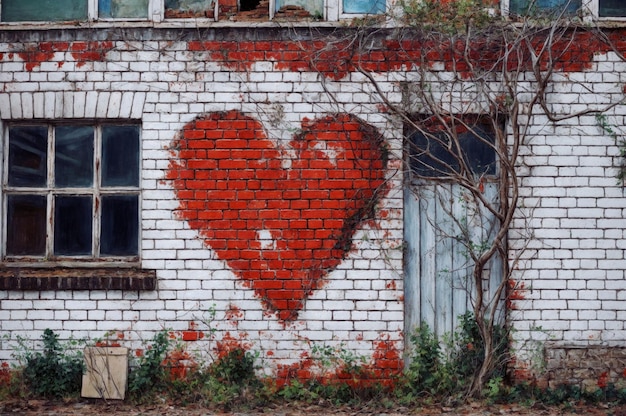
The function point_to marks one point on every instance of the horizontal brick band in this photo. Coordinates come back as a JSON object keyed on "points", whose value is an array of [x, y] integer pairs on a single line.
{"points": [[15, 278]]}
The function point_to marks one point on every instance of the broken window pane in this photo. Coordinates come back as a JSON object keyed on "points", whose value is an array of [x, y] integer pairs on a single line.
{"points": [[300, 8], [123, 9], [119, 235], [612, 8], [43, 10], [28, 156], [73, 161], [120, 156], [26, 225], [530, 7], [73, 218], [188, 8], [364, 6]]}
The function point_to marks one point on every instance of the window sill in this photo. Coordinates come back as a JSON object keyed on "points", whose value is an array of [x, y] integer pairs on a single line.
{"points": [[79, 278]]}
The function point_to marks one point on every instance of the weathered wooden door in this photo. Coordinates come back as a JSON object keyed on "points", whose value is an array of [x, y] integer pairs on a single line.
{"points": [[441, 226]]}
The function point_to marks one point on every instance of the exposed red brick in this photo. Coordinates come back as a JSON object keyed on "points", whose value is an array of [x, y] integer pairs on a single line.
{"points": [[244, 224]]}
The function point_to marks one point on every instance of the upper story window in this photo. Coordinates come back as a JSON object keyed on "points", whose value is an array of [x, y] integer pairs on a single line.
{"points": [[80, 10], [611, 8], [364, 6], [71, 192], [68, 10], [158, 10], [524, 7], [188, 8], [598, 8]]}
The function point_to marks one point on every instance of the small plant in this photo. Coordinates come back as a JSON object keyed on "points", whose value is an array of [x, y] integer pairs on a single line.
{"points": [[150, 373], [447, 367], [611, 131], [338, 358], [232, 379], [235, 368], [425, 374], [54, 372], [450, 17]]}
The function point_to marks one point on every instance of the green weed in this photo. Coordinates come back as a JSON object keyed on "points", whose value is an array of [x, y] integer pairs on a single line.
{"points": [[150, 374], [54, 372]]}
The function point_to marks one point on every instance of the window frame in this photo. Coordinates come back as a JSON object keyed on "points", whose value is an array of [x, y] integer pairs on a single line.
{"points": [[50, 191], [333, 11], [593, 7], [156, 13]]}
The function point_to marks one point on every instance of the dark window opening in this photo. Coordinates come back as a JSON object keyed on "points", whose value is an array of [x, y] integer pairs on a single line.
{"points": [[612, 8], [248, 5], [72, 192], [532, 7], [435, 151]]}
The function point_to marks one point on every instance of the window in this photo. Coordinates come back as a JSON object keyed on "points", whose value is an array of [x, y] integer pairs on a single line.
{"points": [[66, 10], [612, 8], [522, 7], [71, 192], [188, 8], [433, 153], [364, 6], [37, 10], [14, 11], [599, 8], [125, 9], [83, 10], [307, 8]]}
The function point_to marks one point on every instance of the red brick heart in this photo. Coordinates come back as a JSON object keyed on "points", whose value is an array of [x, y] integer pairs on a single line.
{"points": [[280, 218]]}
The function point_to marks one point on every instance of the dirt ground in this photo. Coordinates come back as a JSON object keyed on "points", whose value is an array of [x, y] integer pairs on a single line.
{"points": [[112, 408]]}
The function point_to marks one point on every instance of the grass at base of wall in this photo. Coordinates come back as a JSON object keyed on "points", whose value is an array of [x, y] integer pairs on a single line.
{"points": [[436, 373]]}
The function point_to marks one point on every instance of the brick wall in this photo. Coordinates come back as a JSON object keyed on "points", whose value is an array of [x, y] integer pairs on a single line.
{"points": [[244, 110], [263, 201]]}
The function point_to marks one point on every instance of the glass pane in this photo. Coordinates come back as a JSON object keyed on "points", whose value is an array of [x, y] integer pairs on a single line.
{"points": [[120, 156], [188, 8], [43, 10], [120, 9], [524, 7], [73, 219], [314, 7], [478, 151], [364, 6], [26, 225], [119, 235], [73, 157], [431, 156], [612, 8], [28, 156]]}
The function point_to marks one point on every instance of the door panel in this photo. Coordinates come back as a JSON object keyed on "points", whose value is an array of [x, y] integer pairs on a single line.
{"points": [[441, 227]]}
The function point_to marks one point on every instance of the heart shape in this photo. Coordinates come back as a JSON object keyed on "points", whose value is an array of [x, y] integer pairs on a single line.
{"points": [[281, 218]]}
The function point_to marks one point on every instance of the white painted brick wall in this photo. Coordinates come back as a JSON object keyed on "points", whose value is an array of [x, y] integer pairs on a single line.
{"points": [[574, 276], [573, 271]]}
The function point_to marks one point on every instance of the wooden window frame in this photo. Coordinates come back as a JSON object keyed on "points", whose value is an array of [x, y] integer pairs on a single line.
{"points": [[96, 192], [592, 6]]}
